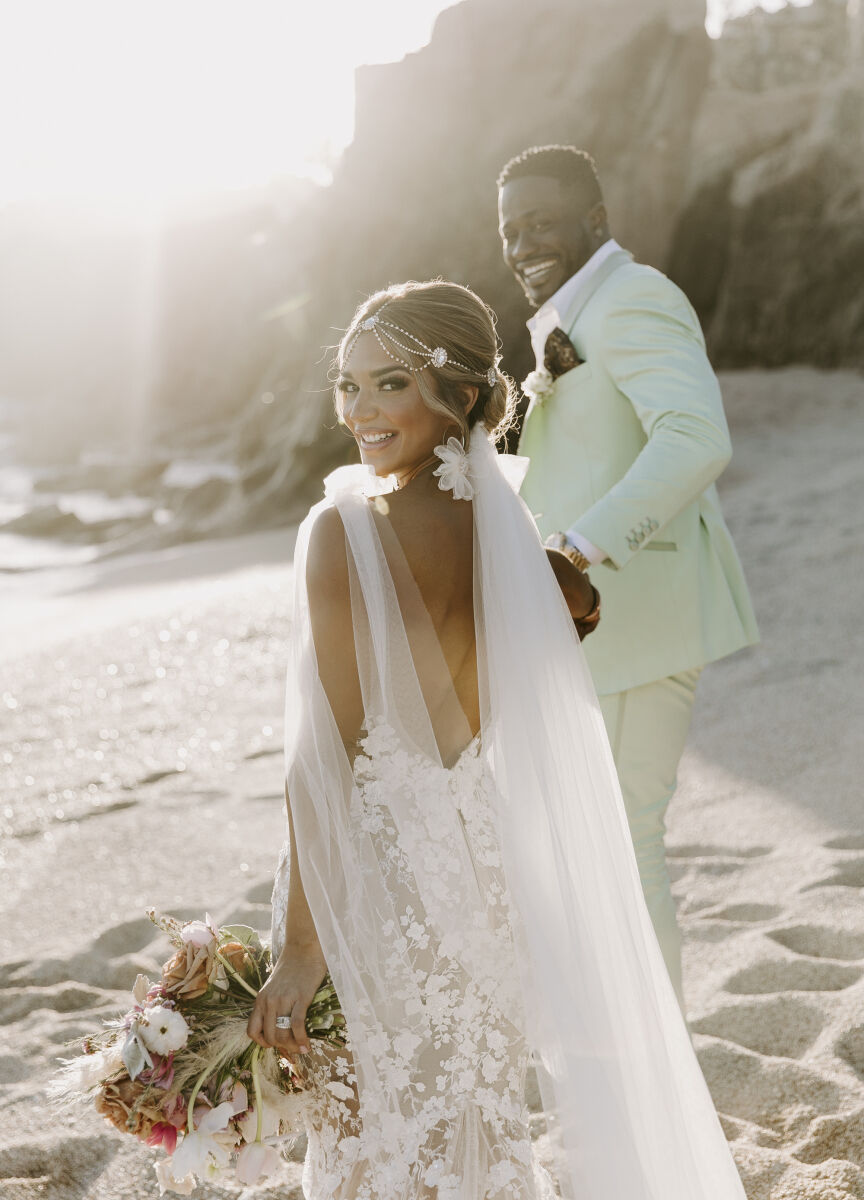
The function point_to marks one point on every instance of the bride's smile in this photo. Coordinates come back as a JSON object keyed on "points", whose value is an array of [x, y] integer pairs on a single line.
{"points": [[381, 404]]}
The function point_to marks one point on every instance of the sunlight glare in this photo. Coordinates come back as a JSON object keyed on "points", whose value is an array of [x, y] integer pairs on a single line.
{"points": [[133, 105], [127, 107]]}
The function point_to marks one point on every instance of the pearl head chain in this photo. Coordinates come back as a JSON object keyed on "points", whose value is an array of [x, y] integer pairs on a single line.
{"points": [[436, 357]]}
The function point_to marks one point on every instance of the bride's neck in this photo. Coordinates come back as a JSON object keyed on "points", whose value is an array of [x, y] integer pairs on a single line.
{"points": [[403, 478]]}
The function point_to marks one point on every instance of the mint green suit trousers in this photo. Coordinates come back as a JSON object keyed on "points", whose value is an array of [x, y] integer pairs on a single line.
{"points": [[647, 728]]}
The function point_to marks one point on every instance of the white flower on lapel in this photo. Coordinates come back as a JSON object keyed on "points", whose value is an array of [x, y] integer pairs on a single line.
{"points": [[453, 472], [538, 385]]}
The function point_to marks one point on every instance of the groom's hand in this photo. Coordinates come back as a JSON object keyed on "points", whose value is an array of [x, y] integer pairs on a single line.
{"points": [[583, 628]]}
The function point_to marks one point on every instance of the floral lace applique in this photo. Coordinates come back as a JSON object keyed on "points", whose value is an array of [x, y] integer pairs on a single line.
{"points": [[448, 1103]]}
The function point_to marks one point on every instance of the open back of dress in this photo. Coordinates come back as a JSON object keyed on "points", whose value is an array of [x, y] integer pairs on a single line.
{"points": [[477, 898]]}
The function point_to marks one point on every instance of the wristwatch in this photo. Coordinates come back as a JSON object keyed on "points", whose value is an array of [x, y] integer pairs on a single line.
{"points": [[561, 543]]}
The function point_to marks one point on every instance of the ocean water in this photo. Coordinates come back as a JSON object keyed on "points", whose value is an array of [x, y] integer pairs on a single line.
{"points": [[56, 515]]}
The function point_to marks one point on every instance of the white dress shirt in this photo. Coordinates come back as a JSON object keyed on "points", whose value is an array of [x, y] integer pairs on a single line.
{"points": [[548, 317]]}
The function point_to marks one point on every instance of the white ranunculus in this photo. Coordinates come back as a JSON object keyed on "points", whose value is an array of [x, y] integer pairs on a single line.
{"points": [[163, 1030]]}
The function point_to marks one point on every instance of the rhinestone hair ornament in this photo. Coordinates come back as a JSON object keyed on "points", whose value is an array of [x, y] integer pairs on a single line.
{"points": [[435, 357]]}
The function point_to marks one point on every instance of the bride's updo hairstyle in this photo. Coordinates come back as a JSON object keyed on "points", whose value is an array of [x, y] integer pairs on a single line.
{"points": [[418, 320]]}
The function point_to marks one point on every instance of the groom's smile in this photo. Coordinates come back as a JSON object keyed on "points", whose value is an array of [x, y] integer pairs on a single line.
{"points": [[543, 237]]}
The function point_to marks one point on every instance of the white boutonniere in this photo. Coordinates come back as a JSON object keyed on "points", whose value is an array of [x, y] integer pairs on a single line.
{"points": [[453, 472], [538, 385]]}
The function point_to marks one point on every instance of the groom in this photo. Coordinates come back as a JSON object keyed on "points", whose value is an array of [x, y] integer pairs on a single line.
{"points": [[626, 434]]}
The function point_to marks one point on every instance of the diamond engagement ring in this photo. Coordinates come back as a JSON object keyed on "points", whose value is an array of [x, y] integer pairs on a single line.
{"points": [[282, 1022]]}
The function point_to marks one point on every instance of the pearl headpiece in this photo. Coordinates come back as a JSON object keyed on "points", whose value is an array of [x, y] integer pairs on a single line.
{"points": [[388, 334]]}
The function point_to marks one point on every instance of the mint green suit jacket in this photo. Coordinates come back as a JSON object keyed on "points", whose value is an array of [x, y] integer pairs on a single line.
{"points": [[626, 448]]}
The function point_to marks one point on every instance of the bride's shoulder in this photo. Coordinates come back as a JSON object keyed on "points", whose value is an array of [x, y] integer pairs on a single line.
{"points": [[326, 554]]}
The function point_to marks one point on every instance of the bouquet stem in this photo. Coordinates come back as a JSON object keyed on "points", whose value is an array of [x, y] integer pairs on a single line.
{"points": [[256, 1086], [199, 1083]]}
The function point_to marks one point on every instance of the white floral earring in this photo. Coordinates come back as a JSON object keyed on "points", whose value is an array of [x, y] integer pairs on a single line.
{"points": [[453, 475]]}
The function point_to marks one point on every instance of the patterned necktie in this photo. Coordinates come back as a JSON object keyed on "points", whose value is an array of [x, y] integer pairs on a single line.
{"points": [[559, 354]]}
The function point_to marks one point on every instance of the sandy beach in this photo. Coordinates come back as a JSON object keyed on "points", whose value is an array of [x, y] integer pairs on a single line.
{"points": [[141, 765]]}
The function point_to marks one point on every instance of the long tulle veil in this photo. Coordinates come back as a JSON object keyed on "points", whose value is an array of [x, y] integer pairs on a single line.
{"points": [[628, 1110]]}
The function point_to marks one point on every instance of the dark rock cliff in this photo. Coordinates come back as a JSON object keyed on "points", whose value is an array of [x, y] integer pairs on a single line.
{"points": [[736, 166]]}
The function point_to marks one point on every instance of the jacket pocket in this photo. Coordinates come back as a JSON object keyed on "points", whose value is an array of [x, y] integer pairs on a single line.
{"points": [[575, 377], [661, 546]]}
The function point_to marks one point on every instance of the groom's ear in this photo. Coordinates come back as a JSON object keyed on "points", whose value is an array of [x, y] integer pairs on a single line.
{"points": [[596, 221]]}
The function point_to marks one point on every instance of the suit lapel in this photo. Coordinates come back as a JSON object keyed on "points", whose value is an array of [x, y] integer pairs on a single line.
{"points": [[618, 258], [615, 260]]}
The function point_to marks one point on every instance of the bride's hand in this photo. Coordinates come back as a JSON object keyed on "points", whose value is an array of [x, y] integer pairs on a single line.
{"points": [[296, 977], [581, 597]]}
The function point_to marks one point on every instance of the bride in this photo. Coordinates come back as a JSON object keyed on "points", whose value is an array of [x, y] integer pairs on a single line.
{"points": [[458, 854]]}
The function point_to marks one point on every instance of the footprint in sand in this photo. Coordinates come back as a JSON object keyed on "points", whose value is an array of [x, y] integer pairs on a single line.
{"points": [[835, 1137], [260, 892], [54, 1166], [796, 976], [767, 1092], [848, 874], [73, 817], [820, 941], [13, 1069], [18, 1003], [257, 917], [850, 1047], [781, 1026], [204, 794], [719, 867], [848, 841], [10, 972], [701, 850], [744, 913], [155, 776], [716, 924], [86, 969], [707, 859], [126, 937]]}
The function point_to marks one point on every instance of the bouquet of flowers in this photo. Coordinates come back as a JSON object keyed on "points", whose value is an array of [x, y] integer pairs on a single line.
{"points": [[179, 1071]]}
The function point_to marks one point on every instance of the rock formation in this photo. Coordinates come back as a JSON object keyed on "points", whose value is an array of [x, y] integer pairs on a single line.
{"points": [[770, 240], [414, 195], [737, 166]]}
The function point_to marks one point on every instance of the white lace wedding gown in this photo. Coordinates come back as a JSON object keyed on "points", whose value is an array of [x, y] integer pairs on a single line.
{"points": [[477, 900], [462, 1131]]}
